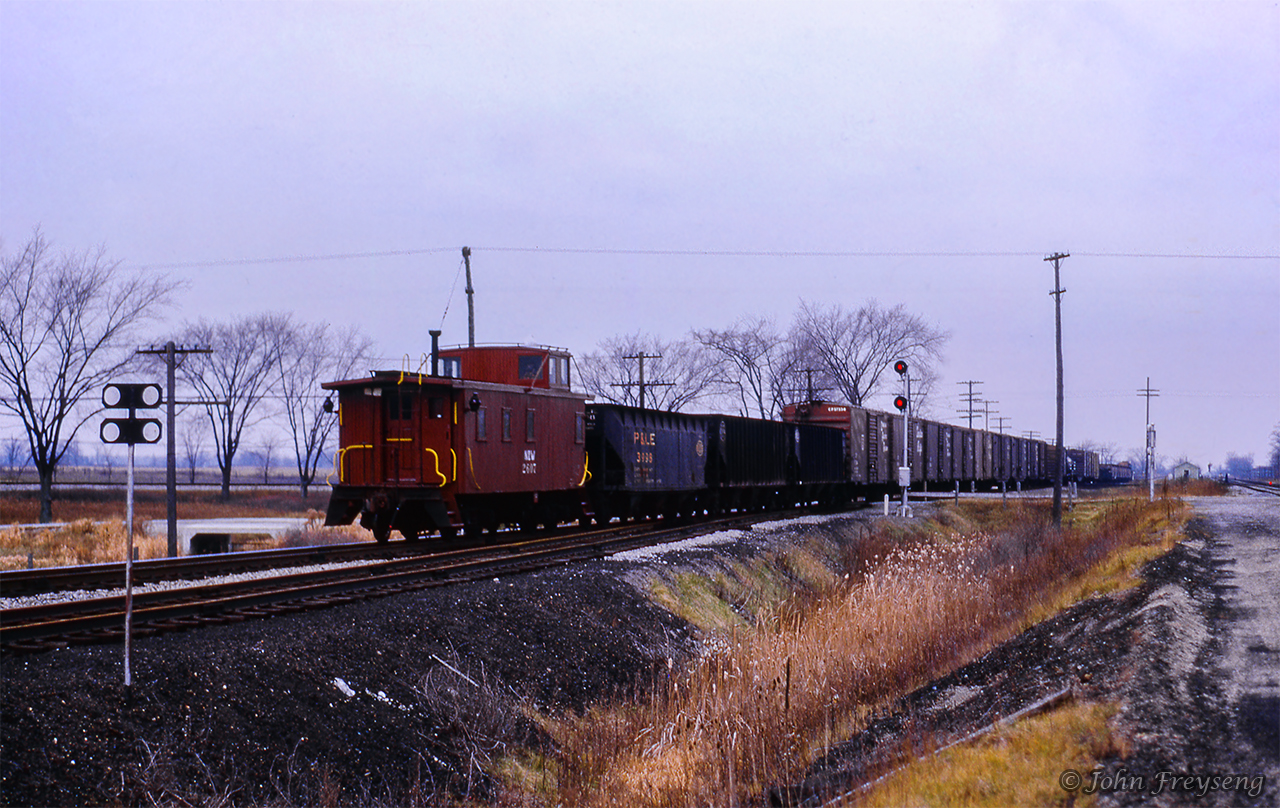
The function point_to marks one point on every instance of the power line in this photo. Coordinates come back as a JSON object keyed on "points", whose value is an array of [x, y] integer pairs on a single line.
{"points": [[694, 252], [290, 259]]}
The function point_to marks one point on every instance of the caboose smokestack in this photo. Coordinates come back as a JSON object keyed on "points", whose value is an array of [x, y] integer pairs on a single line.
{"points": [[435, 352]]}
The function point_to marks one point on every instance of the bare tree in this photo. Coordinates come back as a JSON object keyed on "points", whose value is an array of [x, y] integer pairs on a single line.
{"points": [[192, 435], [751, 355], [66, 325], [312, 355], [16, 456], [235, 378], [106, 461], [266, 449], [1239, 466], [677, 372], [853, 349]]}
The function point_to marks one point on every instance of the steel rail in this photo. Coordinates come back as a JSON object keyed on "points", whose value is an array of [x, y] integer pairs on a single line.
{"points": [[1261, 488], [42, 580], [37, 628]]}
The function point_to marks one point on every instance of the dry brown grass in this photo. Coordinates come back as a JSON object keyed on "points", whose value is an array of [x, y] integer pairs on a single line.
{"points": [[96, 535], [81, 542], [754, 711]]}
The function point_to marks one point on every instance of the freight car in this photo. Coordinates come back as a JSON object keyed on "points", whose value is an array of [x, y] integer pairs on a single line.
{"points": [[939, 455], [494, 436]]}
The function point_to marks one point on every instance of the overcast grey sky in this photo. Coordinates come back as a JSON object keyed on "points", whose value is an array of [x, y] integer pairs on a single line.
{"points": [[941, 150]]}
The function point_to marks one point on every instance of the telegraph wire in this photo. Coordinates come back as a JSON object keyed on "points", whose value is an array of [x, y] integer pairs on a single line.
{"points": [[292, 259], [707, 253]]}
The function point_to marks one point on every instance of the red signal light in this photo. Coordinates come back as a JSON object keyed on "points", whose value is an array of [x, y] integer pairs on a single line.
{"points": [[900, 367], [901, 403]]}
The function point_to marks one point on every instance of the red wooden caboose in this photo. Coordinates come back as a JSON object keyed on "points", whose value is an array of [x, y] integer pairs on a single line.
{"points": [[492, 435]]}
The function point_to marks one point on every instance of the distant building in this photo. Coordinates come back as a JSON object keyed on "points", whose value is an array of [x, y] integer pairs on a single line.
{"points": [[1186, 471]]}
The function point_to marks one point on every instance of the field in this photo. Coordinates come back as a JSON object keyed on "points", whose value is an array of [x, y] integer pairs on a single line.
{"points": [[91, 522]]}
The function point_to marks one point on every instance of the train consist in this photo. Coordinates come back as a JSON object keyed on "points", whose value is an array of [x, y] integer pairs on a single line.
{"points": [[494, 436]]}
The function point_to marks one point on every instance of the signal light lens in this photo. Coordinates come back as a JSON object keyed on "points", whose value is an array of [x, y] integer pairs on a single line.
{"points": [[132, 396], [900, 367], [901, 403], [130, 430]]}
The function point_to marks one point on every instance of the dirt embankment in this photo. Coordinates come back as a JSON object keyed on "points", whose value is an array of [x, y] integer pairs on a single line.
{"points": [[1192, 657], [408, 698]]}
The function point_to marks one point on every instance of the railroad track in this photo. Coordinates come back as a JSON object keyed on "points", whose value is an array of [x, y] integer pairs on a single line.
{"points": [[1261, 488], [24, 583], [101, 620]]}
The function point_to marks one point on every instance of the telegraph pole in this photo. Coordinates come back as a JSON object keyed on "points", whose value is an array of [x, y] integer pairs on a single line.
{"points": [[642, 384], [471, 301], [170, 353], [1060, 471], [972, 399], [987, 412]]}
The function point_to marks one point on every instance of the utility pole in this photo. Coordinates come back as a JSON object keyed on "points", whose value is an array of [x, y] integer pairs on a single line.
{"points": [[972, 399], [170, 353], [1060, 471], [642, 384], [471, 300], [1149, 456], [987, 412]]}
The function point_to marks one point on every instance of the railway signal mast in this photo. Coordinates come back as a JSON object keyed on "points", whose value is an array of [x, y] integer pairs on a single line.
{"points": [[1151, 441], [903, 403], [131, 430]]}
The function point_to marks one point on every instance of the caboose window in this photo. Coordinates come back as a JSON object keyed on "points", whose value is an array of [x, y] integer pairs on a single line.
{"points": [[531, 367], [451, 367], [399, 406], [506, 425], [528, 425], [579, 427], [482, 427]]}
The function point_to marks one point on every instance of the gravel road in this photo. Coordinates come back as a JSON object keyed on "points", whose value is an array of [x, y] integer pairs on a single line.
{"points": [[1221, 715], [1202, 704]]}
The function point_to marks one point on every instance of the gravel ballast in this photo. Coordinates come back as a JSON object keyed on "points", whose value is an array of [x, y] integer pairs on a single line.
{"points": [[402, 699]]}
